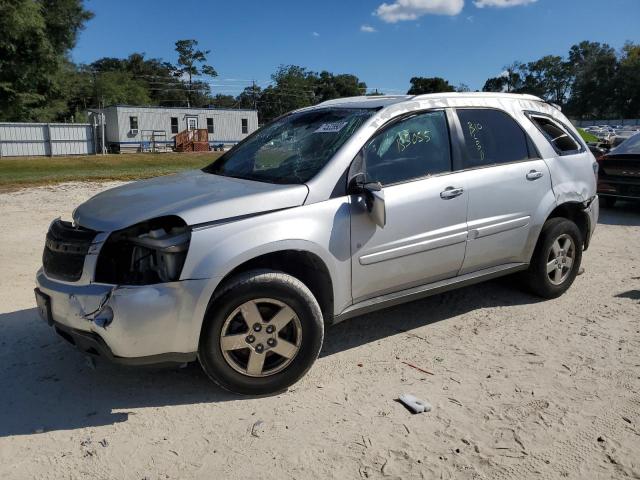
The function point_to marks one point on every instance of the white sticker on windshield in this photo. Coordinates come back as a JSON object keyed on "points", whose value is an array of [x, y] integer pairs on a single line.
{"points": [[332, 127]]}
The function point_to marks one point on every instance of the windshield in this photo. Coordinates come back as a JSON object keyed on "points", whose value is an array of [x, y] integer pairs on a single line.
{"points": [[629, 146], [292, 149]]}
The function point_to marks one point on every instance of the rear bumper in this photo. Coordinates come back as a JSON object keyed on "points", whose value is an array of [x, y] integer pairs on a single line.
{"points": [[150, 324], [619, 188]]}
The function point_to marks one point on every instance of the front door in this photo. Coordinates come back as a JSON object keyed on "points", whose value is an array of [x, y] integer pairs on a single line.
{"points": [[192, 123], [507, 183], [426, 209]]}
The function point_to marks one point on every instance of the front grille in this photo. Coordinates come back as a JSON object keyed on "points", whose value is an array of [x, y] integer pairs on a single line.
{"points": [[65, 249]]}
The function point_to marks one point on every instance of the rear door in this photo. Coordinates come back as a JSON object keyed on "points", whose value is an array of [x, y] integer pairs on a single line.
{"points": [[426, 209], [506, 184]]}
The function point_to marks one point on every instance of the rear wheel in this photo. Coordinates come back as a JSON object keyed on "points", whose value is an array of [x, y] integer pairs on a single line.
{"points": [[556, 258], [261, 333]]}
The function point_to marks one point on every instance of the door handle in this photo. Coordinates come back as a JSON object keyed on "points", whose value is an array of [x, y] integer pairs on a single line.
{"points": [[451, 192], [534, 175]]}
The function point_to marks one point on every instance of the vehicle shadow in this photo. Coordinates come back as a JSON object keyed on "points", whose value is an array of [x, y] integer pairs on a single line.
{"points": [[409, 316], [48, 385], [630, 294], [624, 213]]}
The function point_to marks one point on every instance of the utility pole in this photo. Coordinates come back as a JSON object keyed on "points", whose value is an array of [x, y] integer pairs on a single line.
{"points": [[253, 94], [95, 134], [102, 122], [189, 92], [102, 142]]}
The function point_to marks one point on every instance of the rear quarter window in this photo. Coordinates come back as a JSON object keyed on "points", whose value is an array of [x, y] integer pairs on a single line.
{"points": [[558, 135]]}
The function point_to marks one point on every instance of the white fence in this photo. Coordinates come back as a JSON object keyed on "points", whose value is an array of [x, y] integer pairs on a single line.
{"points": [[589, 123], [48, 139]]}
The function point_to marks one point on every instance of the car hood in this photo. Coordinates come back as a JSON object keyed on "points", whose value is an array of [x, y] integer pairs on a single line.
{"points": [[194, 196]]}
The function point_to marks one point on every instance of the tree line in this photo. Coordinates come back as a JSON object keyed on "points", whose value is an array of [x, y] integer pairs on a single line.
{"points": [[591, 81], [39, 82]]}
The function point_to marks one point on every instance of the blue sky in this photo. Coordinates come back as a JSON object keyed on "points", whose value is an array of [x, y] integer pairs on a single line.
{"points": [[385, 44]]}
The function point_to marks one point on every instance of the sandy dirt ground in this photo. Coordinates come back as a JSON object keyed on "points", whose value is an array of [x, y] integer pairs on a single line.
{"points": [[520, 388]]}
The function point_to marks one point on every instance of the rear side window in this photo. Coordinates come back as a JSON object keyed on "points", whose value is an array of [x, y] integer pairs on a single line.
{"points": [[411, 148], [492, 137], [557, 134]]}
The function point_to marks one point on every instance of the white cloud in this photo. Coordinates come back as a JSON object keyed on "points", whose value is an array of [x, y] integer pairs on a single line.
{"points": [[501, 3], [315, 34], [412, 9], [367, 29]]}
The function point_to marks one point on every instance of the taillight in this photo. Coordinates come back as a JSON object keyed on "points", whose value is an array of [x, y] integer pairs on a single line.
{"points": [[596, 167]]}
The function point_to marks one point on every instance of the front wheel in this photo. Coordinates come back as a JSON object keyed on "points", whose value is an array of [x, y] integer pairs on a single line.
{"points": [[261, 333], [556, 258]]}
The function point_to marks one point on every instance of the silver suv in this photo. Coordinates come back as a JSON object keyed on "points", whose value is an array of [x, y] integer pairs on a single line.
{"points": [[326, 213]]}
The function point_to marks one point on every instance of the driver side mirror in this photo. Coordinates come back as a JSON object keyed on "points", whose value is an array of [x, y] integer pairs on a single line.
{"points": [[373, 198]]}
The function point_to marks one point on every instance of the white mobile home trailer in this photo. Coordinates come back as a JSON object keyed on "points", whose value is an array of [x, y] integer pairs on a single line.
{"points": [[135, 128]]}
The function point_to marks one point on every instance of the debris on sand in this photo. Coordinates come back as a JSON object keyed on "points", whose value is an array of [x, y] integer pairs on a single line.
{"points": [[414, 404], [418, 368], [256, 429]]}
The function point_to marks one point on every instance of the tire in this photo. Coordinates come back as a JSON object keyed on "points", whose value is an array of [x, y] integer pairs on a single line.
{"points": [[287, 351], [551, 284], [609, 202]]}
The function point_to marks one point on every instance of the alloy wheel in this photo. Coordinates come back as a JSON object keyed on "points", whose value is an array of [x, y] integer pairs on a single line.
{"points": [[560, 259], [261, 337]]}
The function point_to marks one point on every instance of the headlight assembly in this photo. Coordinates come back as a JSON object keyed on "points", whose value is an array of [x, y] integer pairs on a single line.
{"points": [[149, 252]]}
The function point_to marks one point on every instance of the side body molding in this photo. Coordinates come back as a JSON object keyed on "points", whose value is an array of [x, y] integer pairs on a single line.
{"points": [[420, 243], [494, 225]]}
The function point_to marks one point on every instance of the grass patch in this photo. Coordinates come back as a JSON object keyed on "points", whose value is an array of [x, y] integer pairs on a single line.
{"points": [[587, 137], [19, 172]]}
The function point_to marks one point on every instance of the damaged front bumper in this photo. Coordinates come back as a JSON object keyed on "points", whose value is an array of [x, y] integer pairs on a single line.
{"points": [[128, 324]]}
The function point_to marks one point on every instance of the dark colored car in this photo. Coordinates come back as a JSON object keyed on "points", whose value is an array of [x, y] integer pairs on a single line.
{"points": [[598, 152], [619, 172]]}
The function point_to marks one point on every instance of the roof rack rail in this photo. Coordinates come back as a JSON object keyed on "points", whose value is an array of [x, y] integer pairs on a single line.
{"points": [[478, 94], [362, 98]]}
